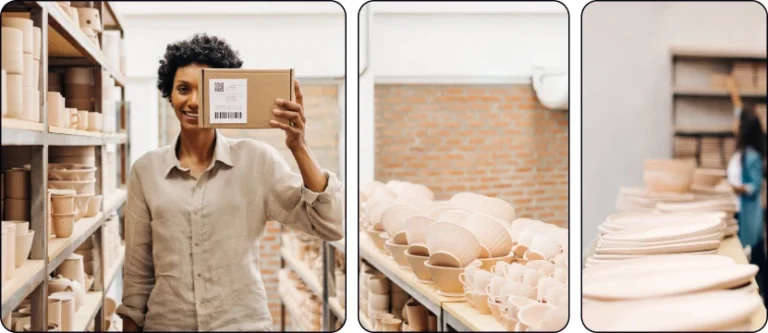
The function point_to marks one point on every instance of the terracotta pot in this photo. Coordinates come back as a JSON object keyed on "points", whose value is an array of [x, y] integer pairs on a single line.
{"points": [[13, 50], [63, 224], [73, 269], [80, 186], [431, 323], [378, 284], [391, 325], [23, 247], [16, 183], [398, 253], [374, 237], [54, 311], [67, 300], [63, 202], [419, 269], [417, 316], [378, 317], [25, 25], [78, 75], [446, 279], [94, 206]]}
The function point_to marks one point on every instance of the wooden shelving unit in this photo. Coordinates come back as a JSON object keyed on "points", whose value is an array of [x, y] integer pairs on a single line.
{"points": [[64, 44], [701, 105]]}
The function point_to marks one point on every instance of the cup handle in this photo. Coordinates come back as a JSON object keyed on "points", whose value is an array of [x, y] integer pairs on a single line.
{"points": [[462, 279], [74, 118], [488, 290]]}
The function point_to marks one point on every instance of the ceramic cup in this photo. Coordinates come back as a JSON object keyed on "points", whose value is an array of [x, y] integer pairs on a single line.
{"points": [[63, 224], [74, 118], [82, 122]]}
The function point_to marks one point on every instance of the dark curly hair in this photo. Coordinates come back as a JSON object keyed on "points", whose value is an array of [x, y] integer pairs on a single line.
{"points": [[202, 49]]}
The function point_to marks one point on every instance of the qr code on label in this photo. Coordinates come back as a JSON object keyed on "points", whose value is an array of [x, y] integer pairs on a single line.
{"points": [[218, 87]]}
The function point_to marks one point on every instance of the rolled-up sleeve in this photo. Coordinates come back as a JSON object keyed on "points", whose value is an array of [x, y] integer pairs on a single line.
{"points": [[139, 272], [291, 203]]}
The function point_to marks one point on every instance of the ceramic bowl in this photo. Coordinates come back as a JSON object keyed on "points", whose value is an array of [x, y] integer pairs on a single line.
{"points": [[497, 208], [374, 209], [400, 238], [454, 239], [446, 279], [440, 209], [455, 216], [80, 186], [23, 246], [373, 235], [481, 303], [22, 227], [418, 250], [63, 224], [668, 175], [531, 317], [416, 263], [398, 253], [487, 263], [416, 228], [491, 233], [445, 259], [81, 205], [65, 171]]}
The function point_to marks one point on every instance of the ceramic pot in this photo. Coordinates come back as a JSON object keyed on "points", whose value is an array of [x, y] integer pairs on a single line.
{"points": [[15, 94], [446, 279], [9, 245], [432, 323], [378, 302], [20, 321], [419, 269], [373, 235], [73, 269], [481, 303], [487, 263], [25, 26], [54, 311], [81, 205], [80, 186], [378, 317], [63, 284], [74, 118], [23, 247], [67, 300], [417, 316], [95, 121], [63, 224], [398, 253], [13, 50], [82, 121], [391, 325], [80, 104], [55, 109], [16, 183], [378, 284], [94, 205], [89, 17], [63, 202]]}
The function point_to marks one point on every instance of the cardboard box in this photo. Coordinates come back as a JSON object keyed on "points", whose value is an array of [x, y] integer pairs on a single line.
{"points": [[242, 98]]}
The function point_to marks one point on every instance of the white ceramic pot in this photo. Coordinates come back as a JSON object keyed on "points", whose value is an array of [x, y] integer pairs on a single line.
{"points": [[12, 49]]}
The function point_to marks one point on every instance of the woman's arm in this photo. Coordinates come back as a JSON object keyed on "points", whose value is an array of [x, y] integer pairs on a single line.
{"points": [[733, 90], [139, 274]]}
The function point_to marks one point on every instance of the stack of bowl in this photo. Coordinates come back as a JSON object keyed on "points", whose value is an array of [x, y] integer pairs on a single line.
{"points": [[80, 178], [22, 68], [16, 189], [22, 242], [379, 288]]}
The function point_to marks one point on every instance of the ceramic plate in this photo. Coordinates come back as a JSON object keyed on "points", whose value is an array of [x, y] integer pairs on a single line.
{"points": [[663, 249], [707, 311], [668, 232], [656, 263], [631, 244], [614, 258], [679, 281]]}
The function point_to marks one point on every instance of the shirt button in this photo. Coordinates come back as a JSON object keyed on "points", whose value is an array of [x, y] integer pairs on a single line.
{"points": [[197, 244], [199, 275]]}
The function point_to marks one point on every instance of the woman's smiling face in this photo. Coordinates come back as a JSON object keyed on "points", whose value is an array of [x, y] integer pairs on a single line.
{"points": [[185, 95]]}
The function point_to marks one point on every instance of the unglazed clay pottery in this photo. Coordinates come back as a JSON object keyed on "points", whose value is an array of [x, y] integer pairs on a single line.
{"points": [[80, 186], [373, 235], [705, 311], [13, 50], [89, 279], [82, 116], [481, 303], [668, 175], [524, 241], [63, 224], [16, 183], [26, 26], [624, 244], [21, 321], [651, 264], [530, 317], [67, 309], [446, 279], [418, 250], [374, 210], [491, 233], [94, 206], [17, 209], [15, 94], [400, 238], [416, 228], [393, 218], [378, 284], [439, 210], [23, 247], [398, 253], [431, 323], [664, 249], [454, 239], [73, 269], [494, 305], [416, 263], [81, 205], [391, 324], [669, 282], [54, 311], [21, 227], [456, 216], [9, 247], [62, 201], [445, 259], [68, 171], [488, 263], [514, 288], [545, 267], [542, 248], [379, 316], [95, 121], [668, 232], [707, 177]]}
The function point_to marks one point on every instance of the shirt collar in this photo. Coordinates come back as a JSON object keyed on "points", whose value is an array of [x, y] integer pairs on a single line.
{"points": [[221, 153]]}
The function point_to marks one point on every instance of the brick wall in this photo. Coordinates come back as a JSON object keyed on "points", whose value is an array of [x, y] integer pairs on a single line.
{"points": [[496, 140], [322, 112]]}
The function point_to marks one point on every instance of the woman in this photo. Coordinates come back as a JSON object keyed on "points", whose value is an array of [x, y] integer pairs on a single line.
{"points": [[196, 209], [746, 172]]}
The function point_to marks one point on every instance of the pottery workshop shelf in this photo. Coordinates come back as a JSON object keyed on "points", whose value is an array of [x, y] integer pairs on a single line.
{"points": [[111, 19], [338, 245], [306, 275], [85, 315], [333, 302], [66, 40], [60, 248], [115, 138], [364, 321], [116, 268], [26, 278], [426, 294], [462, 317], [113, 201], [17, 132], [291, 310]]}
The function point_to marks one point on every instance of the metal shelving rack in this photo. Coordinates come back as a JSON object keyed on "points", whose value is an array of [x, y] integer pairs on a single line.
{"points": [[64, 44]]}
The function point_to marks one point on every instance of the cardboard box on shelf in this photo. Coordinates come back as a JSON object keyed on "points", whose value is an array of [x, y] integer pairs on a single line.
{"points": [[242, 98]]}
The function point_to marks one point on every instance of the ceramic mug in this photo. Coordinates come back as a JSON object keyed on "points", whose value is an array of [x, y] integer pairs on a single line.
{"points": [[481, 279], [515, 272], [94, 121], [494, 287], [532, 277], [74, 118], [500, 268], [82, 123]]}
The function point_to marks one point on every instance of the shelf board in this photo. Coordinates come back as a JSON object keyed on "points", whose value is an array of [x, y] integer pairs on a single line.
{"points": [[110, 18], [60, 248], [291, 307], [703, 132], [340, 312], [69, 131], [463, 318], [17, 132], [115, 138], [718, 53], [112, 272], [85, 315], [426, 294], [66, 40], [304, 272], [24, 281], [339, 245], [365, 322], [717, 92], [114, 200]]}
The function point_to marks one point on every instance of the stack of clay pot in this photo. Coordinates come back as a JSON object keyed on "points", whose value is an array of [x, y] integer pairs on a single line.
{"points": [[680, 292], [21, 45], [71, 295], [21, 238], [79, 94], [301, 302], [61, 315], [80, 178], [384, 301], [16, 194], [90, 258]]}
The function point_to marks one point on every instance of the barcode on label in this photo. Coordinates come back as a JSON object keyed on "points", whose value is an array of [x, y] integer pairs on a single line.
{"points": [[228, 115], [218, 87]]}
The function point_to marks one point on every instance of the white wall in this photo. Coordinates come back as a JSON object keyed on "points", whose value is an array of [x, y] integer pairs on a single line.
{"points": [[477, 42], [626, 85]]}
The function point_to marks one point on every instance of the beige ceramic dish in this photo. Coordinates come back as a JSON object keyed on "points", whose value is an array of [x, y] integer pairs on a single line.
{"points": [[491, 233], [669, 232], [446, 279], [416, 229], [454, 239], [398, 253], [686, 247], [64, 171], [655, 263], [80, 186], [620, 244], [419, 269]]}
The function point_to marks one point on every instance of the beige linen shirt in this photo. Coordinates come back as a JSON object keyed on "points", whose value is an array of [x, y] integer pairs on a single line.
{"points": [[192, 245]]}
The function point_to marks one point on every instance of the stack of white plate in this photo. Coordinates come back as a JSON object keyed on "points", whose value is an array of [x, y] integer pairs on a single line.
{"points": [[670, 293], [725, 207], [636, 199]]}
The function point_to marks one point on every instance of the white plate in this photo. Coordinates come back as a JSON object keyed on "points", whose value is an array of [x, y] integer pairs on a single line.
{"points": [[669, 232], [686, 247]]}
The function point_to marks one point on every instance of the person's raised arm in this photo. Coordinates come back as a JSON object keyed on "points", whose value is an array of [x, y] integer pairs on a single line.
{"points": [[733, 90]]}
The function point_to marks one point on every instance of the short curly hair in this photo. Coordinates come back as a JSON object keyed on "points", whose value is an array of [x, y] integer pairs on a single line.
{"points": [[202, 49]]}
